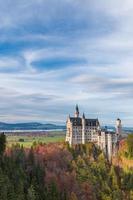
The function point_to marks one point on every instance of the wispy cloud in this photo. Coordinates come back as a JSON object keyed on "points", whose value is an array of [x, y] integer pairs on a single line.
{"points": [[54, 54]]}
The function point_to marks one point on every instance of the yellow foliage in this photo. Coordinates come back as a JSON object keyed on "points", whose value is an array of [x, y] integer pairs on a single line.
{"points": [[73, 196]]}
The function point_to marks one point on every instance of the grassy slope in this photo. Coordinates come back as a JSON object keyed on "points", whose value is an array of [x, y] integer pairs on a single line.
{"points": [[28, 140]]}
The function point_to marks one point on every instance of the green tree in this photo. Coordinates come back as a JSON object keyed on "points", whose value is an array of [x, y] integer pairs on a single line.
{"points": [[53, 192], [2, 143], [31, 193], [114, 178]]}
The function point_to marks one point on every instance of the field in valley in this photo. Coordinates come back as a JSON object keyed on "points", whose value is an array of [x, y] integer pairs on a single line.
{"points": [[28, 139]]}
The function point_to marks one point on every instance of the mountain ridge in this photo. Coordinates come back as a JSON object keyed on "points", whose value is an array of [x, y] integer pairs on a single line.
{"points": [[29, 126], [45, 126]]}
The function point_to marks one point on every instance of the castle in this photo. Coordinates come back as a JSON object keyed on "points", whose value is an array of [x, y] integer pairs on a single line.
{"points": [[81, 130]]}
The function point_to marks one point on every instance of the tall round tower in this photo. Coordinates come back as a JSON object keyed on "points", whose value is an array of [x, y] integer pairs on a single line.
{"points": [[83, 129], [118, 127]]}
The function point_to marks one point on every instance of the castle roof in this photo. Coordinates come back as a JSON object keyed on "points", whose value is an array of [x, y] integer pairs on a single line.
{"points": [[107, 131], [77, 121]]}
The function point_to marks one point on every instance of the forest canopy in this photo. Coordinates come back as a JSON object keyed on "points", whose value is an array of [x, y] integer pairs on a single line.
{"points": [[58, 172]]}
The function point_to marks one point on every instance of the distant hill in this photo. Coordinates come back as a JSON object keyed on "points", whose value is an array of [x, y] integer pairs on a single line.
{"points": [[41, 126], [125, 129], [29, 126]]}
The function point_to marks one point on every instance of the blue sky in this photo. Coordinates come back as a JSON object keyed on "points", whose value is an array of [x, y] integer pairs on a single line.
{"points": [[54, 54]]}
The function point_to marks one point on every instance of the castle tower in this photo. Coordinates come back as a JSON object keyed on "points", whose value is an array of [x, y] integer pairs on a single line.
{"points": [[69, 131], [83, 129], [118, 127], [77, 112], [109, 146]]}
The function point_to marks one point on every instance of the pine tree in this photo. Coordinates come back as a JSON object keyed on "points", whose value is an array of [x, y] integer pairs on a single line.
{"points": [[31, 193], [53, 191], [2, 143]]}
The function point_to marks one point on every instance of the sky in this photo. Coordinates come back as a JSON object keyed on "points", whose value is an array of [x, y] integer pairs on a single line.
{"points": [[58, 53]]}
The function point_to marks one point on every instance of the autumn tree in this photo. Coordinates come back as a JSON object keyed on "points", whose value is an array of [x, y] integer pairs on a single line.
{"points": [[130, 145]]}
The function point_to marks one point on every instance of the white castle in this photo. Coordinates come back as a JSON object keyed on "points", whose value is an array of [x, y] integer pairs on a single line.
{"points": [[81, 130]]}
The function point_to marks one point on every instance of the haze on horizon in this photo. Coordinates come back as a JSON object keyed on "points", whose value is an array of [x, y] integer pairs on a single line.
{"points": [[54, 54]]}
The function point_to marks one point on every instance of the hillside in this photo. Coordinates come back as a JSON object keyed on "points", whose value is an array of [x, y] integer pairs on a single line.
{"points": [[125, 155], [58, 172]]}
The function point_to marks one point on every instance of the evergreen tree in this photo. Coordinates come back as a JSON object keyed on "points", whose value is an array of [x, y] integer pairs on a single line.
{"points": [[53, 192], [2, 143], [31, 193]]}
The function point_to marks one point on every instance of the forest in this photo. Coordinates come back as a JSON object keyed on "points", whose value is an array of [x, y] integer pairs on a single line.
{"points": [[55, 171]]}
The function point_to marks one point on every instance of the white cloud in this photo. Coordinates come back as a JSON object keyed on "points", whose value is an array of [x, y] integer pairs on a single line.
{"points": [[102, 85]]}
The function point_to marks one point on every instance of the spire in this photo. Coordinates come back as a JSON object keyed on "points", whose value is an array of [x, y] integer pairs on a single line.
{"points": [[77, 111], [77, 108], [83, 116]]}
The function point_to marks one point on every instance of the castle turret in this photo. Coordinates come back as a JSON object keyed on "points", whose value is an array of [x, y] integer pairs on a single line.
{"points": [[118, 127], [83, 129], [109, 146], [69, 130], [98, 125], [68, 118], [77, 111]]}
